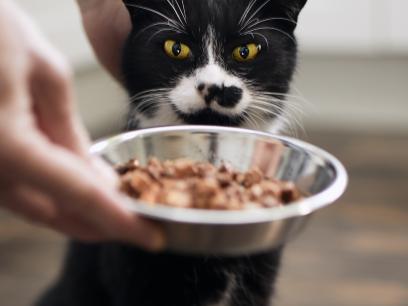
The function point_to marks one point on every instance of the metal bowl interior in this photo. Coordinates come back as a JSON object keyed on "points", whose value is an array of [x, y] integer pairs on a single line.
{"points": [[318, 175]]}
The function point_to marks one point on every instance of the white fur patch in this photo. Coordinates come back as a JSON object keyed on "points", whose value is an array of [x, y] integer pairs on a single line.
{"points": [[186, 97]]}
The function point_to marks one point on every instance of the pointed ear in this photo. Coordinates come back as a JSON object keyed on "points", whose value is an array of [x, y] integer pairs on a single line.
{"points": [[285, 11], [140, 10], [292, 8]]}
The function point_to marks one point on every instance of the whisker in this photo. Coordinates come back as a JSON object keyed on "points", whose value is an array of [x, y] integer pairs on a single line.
{"points": [[172, 21], [256, 12], [247, 10], [257, 116], [145, 104], [291, 119], [270, 97], [175, 11], [245, 27], [285, 103], [273, 29], [267, 111], [283, 108], [278, 97], [146, 98], [143, 99], [157, 90], [273, 94], [248, 118], [169, 25], [154, 90], [245, 117], [157, 33], [302, 98], [260, 21], [148, 92], [184, 10], [263, 36], [293, 123], [182, 13]]}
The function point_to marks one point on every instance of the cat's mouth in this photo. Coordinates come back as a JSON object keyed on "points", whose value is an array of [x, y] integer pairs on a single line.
{"points": [[208, 116]]}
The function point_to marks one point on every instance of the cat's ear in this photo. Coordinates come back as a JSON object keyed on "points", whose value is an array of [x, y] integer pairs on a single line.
{"points": [[288, 10], [140, 10], [292, 8]]}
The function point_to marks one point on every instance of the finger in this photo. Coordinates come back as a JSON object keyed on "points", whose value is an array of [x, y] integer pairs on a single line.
{"points": [[34, 206], [107, 225], [38, 208], [79, 191], [105, 171], [107, 25], [53, 100]]}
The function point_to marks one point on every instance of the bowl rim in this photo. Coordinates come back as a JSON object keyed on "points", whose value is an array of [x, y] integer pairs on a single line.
{"points": [[299, 208]]}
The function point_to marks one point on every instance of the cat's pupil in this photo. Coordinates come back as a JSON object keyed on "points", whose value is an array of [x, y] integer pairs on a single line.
{"points": [[176, 49], [244, 51]]}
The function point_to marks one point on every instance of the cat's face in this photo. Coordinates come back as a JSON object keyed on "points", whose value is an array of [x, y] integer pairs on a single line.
{"points": [[218, 62]]}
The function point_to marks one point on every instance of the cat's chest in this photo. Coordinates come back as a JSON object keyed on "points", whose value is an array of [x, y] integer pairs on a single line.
{"points": [[133, 277]]}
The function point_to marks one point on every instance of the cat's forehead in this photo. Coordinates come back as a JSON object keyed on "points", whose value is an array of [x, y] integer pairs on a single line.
{"points": [[225, 16], [220, 12], [197, 15]]}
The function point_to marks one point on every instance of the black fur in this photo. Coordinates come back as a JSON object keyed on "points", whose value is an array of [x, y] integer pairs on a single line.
{"points": [[209, 117], [119, 275]]}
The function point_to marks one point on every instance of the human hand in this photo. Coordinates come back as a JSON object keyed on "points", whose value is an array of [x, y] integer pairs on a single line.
{"points": [[107, 25], [46, 174]]}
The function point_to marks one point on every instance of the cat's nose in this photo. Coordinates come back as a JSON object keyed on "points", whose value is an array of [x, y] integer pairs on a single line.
{"points": [[225, 96]]}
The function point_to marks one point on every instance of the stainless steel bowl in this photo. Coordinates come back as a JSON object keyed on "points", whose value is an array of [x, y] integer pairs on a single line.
{"points": [[315, 172]]}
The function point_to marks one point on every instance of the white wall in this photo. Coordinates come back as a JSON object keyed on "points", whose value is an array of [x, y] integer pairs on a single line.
{"points": [[370, 27], [355, 93], [60, 21]]}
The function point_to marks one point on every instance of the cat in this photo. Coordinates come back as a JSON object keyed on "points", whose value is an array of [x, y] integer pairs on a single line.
{"points": [[225, 62], [207, 62]]}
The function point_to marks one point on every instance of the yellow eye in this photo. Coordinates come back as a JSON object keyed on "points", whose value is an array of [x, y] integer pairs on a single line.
{"points": [[246, 52], [176, 50]]}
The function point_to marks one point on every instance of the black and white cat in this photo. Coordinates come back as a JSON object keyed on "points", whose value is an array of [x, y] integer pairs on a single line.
{"points": [[218, 62]]}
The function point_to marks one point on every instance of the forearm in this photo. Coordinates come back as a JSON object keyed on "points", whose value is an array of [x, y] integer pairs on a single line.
{"points": [[107, 25]]}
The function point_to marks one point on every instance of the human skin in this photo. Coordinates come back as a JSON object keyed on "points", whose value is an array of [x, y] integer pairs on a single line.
{"points": [[46, 173], [107, 25]]}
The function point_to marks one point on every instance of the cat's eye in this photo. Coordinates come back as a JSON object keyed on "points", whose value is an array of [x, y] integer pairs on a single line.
{"points": [[176, 50], [246, 52]]}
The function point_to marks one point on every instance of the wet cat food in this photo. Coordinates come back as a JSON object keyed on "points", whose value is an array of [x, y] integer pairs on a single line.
{"points": [[188, 184]]}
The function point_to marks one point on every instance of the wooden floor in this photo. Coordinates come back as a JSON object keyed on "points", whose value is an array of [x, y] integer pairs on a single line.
{"points": [[354, 253]]}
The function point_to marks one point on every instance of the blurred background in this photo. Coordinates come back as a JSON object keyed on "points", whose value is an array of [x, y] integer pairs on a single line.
{"points": [[353, 76]]}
